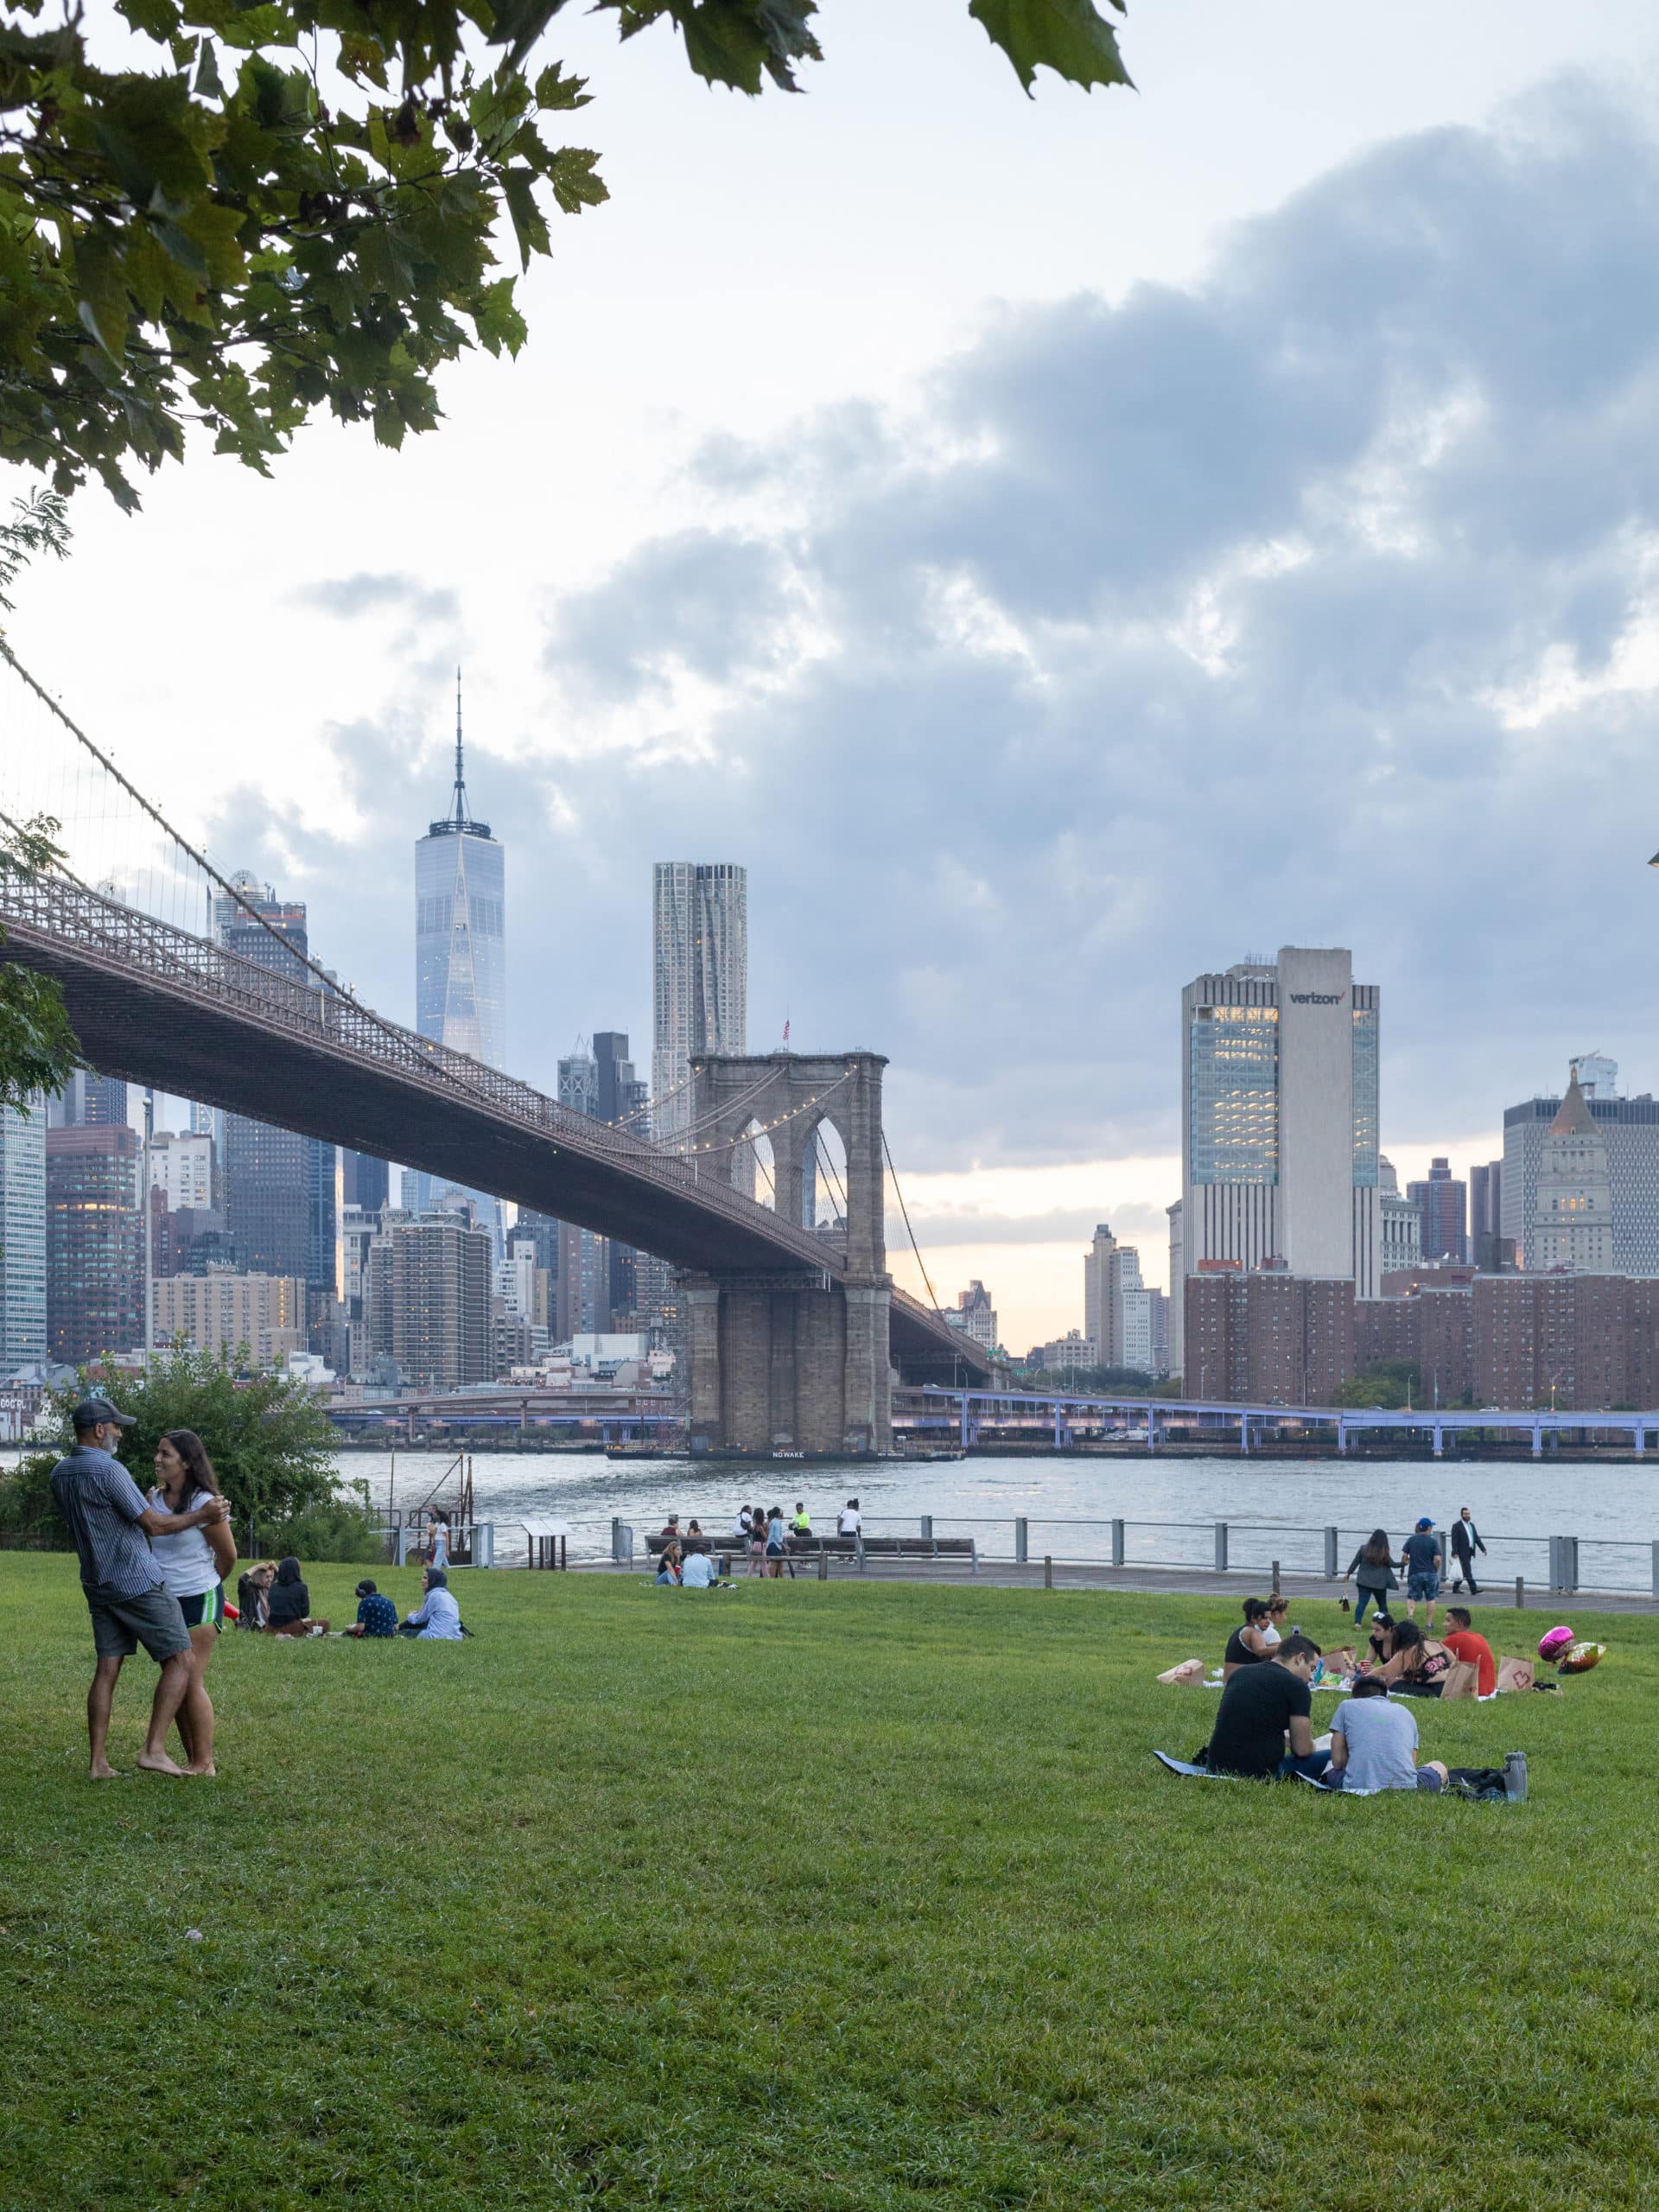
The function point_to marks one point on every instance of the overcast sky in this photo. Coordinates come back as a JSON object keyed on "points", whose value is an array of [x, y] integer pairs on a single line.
{"points": [[1059, 546]]}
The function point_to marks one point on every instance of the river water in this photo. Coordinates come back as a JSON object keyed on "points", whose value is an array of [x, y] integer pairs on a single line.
{"points": [[1274, 1509]]}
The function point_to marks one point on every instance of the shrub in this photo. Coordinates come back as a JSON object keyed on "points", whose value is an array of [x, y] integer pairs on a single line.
{"points": [[268, 1437]]}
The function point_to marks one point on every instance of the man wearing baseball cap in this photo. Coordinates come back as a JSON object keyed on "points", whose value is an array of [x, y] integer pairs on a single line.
{"points": [[1420, 1562], [129, 1604]]}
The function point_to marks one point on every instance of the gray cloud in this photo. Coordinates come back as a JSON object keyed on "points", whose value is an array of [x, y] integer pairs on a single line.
{"points": [[1168, 631], [347, 597]]}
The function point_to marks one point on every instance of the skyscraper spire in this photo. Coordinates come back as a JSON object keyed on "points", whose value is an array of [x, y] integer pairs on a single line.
{"points": [[461, 772]]}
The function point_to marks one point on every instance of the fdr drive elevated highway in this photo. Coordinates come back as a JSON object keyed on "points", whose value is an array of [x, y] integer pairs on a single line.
{"points": [[161, 1006]]}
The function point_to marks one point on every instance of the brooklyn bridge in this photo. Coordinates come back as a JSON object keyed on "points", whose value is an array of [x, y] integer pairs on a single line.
{"points": [[794, 1334]]}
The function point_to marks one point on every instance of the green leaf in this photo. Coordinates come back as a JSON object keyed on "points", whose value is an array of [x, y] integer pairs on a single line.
{"points": [[555, 90], [1071, 37], [529, 224], [208, 86]]}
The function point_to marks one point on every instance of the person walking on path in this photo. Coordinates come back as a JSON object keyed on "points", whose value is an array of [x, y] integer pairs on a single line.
{"points": [[1371, 1572], [111, 1521], [1423, 1559], [193, 1566], [1465, 1543]]}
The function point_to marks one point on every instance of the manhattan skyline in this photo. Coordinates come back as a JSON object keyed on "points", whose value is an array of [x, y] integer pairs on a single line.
{"points": [[977, 625]]}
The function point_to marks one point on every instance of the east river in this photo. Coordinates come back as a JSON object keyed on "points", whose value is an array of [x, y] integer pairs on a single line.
{"points": [[1275, 1509]]}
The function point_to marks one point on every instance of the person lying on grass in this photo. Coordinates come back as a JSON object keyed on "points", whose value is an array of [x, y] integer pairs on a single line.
{"points": [[438, 1619], [1263, 1707], [1374, 1743]]}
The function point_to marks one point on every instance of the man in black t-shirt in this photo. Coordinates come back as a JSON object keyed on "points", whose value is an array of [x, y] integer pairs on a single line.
{"points": [[1258, 1707]]}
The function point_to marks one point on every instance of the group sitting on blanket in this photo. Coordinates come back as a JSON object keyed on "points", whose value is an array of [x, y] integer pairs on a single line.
{"points": [[1404, 1658], [1262, 1727]]}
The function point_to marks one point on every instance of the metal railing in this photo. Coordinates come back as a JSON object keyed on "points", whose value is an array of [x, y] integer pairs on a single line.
{"points": [[1565, 1564]]}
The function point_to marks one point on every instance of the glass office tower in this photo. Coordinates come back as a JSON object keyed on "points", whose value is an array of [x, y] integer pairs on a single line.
{"points": [[460, 949], [1281, 1121]]}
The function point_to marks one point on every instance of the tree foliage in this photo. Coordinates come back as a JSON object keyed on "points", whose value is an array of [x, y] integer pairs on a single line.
{"points": [[272, 208], [268, 1437], [1385, 1383], [39, 1051]]}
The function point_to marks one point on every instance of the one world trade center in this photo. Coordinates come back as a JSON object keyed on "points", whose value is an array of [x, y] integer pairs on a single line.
{"points": [[460, 945]]}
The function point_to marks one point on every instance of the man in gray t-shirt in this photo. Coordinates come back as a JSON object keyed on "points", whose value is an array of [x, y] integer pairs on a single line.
{"points": [[1374, 1743], [111, 1522]]}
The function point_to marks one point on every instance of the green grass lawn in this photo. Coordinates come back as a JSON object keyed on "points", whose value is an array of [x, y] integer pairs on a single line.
{"points": [[807, 1895]]}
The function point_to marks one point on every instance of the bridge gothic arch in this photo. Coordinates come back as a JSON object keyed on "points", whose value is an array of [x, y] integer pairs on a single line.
{"points": [[791, 1360]]}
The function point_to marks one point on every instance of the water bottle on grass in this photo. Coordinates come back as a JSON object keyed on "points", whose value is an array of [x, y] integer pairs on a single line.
{"points": [[1514, 1777]]}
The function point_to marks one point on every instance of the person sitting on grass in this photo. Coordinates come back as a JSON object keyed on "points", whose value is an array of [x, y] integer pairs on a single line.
{"points": [[1273, 1629], [1246, 1646], [1416, 1665], [1381, 1638], [253, 1595], [438, 1620], [698, 1572], [376, 1614], [671, 1568], [1374, 1743], [1262, 1706], [1461, 1638], [289, 1611]]}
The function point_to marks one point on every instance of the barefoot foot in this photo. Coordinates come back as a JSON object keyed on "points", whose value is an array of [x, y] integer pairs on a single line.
{"points": [[158, 1763], [103, 1772], [194, 1769]]}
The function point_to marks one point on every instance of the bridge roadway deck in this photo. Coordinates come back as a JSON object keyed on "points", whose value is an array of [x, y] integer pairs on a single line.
{"points": [[158, 1006], [1495, 1597]]}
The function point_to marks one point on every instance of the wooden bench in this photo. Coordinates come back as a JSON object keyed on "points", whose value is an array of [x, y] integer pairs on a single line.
{"points": [[914, 1548], [818, 1551]]}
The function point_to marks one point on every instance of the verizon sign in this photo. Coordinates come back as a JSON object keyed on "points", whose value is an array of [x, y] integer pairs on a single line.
{"points": [[1318, 998]]}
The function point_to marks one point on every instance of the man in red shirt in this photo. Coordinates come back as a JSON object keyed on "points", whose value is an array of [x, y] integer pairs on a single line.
{"points": [[1461, 1638]]}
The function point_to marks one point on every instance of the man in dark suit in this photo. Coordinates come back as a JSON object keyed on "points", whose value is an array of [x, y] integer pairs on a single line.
{"points": [[1465, 1543]]}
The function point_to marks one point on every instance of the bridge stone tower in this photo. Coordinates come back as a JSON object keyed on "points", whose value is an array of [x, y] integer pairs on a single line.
{"points": [[796, 1360]]}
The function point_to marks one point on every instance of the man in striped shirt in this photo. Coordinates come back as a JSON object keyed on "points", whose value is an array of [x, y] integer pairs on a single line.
{"points": [[111, 1522]]}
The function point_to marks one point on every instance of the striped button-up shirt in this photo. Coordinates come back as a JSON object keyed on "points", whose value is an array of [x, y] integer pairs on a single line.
{"points": [[102, 1503]]}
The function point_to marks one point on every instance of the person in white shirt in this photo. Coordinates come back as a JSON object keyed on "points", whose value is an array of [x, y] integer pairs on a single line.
{"points": [[438, 1617], [698, 1572], [848, 1522], [192, 1564]]}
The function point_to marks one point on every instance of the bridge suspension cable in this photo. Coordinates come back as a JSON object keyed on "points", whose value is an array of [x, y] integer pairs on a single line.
{"points": [[932, 1295]]}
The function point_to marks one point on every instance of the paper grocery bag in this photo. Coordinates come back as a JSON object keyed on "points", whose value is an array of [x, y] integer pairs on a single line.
{"points": [[1461, 1679], [1188, 1671], [1514, 1674]]}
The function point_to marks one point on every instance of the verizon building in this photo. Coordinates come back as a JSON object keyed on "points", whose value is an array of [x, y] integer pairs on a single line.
{"points": [[1279, 1124]]}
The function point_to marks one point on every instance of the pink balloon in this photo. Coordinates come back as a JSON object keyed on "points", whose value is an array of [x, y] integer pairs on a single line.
{"points": [[1557, 1640]]}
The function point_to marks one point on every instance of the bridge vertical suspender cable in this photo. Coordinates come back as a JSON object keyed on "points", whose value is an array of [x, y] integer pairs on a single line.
{"points": [[932, 1295]]}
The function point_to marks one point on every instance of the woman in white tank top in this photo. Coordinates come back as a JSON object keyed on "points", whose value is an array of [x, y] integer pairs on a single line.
{"points": [[193, 1566]]}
